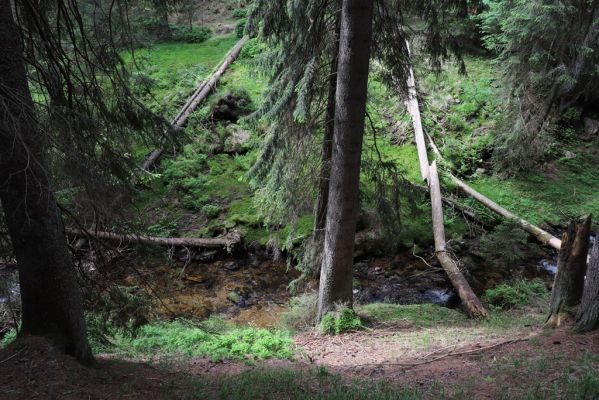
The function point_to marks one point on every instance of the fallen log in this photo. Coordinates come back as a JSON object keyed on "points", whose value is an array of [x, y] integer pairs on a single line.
{"points": [[414, 110], [196, 98], [571, 267], [472, 304], [229, 242], [542, 235]]}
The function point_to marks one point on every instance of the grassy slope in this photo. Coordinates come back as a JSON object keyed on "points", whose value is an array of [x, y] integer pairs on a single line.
{"points": [[563, 189]]}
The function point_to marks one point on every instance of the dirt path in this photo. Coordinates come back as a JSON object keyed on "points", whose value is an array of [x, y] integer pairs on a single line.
{"points": [[484, 369]]}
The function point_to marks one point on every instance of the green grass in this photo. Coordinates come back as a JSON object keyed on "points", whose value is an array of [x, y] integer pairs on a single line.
{"points": [[175, 69], [218, 340], [420, 314], [567, 193], [316, 383]]}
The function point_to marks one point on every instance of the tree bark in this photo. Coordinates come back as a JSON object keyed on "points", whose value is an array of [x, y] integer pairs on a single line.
{"points": [[472, 304], [228, 242], [322, 199], [571, 267], [51, 301], [588, 313], [336, 273], [196, 98]]}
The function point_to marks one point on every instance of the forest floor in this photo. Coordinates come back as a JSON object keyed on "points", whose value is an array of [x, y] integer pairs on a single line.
{"points": [[361, 365]]}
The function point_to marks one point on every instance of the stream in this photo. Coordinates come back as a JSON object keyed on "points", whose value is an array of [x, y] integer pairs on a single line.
{"points": [[254, 289]]}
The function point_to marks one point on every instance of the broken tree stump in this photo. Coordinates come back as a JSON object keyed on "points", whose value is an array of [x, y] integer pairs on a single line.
{"points": [[571, 268], [588, 313]]}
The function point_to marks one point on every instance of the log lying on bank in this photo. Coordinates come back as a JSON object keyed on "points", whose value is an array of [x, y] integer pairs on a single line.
{"points": [[542, 235], [196, 98], [588, 313], [228, 242], [471, 303], [571, 268]]}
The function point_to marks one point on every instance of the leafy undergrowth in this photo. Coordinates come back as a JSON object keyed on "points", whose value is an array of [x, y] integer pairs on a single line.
{"points": [[216, 339], [508, 296], [343, 320]]}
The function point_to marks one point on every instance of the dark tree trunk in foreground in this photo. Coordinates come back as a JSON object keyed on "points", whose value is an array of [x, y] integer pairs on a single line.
{"points": [[51, 301], [571, 267], [588, 314], [322, 201], [352, 82]]}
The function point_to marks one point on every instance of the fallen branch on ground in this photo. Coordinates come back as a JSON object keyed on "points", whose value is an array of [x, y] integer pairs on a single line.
{"points": [[228, 242]]}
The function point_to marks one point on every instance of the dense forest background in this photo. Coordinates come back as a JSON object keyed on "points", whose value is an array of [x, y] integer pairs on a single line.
{"points": [[247, 192]]}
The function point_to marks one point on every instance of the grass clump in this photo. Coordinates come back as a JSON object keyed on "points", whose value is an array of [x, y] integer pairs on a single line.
{"points": [[507, 296], [419, 314], [301, 313], [235, 342], [340, 321]]}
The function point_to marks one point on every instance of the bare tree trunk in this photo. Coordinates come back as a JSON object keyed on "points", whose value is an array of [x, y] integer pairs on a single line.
{"points": [[198, 96], [322, 200], [51, 301], [336, 273], [571, 266], [414, 111], [588, 314], [472, 304]]}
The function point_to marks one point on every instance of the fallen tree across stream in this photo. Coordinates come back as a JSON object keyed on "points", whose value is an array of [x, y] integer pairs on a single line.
{"points": [[472, 304], [196, 98], [228, 242]]}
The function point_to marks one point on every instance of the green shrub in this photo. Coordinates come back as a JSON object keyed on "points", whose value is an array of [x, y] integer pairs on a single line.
{"points": [[521, 293], [194, 34], [239, 13], [240, 28], [211, 210], [340, 321]]}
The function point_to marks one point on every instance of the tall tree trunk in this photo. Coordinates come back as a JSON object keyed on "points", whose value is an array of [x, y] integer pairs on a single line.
{"points": [[51, 301], [588, 314], [571, 267], [322, 200], [352, 84], [163, 30]]}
